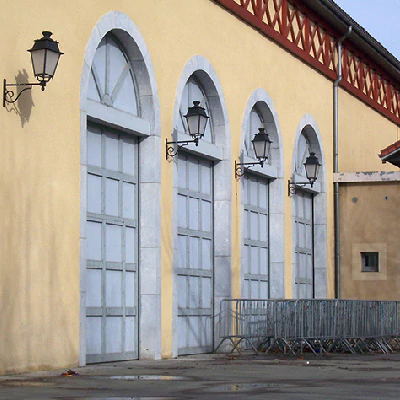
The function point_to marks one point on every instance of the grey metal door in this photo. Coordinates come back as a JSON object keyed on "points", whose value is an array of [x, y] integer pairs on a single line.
{"points": [[304, 256], [112, 236], [256, 238], [194, 271]]}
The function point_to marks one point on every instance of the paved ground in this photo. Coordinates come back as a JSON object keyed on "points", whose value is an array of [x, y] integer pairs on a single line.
{"points": [[218, 377]]}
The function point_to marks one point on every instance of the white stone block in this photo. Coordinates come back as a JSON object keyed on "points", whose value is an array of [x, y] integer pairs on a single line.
{"points": [[150, 328], [150, 274]]}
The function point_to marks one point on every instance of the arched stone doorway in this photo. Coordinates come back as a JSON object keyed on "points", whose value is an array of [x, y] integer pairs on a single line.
{"points": [[201, 222], [120, 132], [309, 216], [262, 270]]}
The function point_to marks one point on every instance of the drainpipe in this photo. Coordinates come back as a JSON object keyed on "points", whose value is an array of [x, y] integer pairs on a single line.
{"points": [[336, 163]]}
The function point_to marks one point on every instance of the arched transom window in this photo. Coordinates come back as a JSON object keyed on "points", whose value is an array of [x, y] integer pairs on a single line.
{"points": [[303, 151], [256, 121], [193, 91], [112, 81]]}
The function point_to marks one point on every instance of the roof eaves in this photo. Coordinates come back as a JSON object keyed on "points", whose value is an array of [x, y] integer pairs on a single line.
{"points": [[359, 37], [390, 152]]}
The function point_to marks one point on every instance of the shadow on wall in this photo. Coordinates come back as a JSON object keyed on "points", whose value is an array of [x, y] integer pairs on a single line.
{"points": [[23, 106]]}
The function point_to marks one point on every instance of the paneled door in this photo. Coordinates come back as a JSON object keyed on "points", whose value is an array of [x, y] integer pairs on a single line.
{"points": [[194, 270], [112, 243], [256, 238], [304, 257]]}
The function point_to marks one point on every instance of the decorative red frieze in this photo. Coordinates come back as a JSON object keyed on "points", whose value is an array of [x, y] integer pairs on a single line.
{"points": [[307, 36]]}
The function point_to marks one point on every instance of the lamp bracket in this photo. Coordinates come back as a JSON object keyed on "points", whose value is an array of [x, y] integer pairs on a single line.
{"points": [[240, 168], [8, 95], [171, 150], [292, 186]]}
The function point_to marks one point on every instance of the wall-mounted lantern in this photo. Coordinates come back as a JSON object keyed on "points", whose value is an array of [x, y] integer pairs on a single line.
{"points": [[196, 118], [312, 167], [261, 146], [44, 56]]}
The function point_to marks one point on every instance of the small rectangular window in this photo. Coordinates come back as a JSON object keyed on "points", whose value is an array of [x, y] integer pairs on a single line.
{"points": [[369, 261]]}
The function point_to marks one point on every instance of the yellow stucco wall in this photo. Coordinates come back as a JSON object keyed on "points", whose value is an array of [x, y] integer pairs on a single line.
{"points": [[359, 204], [40, 153], [363, 134]]}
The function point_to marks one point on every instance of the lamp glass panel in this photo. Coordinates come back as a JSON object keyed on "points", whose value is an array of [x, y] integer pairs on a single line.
{"points": [[38, 58], [193, 125], [312, 171], [196, 125], [51, 63], [260, 149], [202, 125]]}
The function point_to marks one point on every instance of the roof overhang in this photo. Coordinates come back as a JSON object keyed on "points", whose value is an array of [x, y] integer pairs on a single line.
{"points": [[340, 21], [391, 154]]}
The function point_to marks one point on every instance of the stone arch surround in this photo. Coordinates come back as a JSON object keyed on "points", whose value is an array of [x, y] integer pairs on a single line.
{"points": [[209, 80], [309, 124], [150, 180], [276, 207]]}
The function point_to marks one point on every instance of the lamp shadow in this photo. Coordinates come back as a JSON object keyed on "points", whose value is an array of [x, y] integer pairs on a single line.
{"points": [[23, 106]]}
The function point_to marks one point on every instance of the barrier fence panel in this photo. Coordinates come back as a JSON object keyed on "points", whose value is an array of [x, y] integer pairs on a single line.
{"points": [[319, 326]]}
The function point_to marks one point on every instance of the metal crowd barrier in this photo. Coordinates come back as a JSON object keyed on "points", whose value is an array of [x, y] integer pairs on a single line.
{"points": [[319, 326]]}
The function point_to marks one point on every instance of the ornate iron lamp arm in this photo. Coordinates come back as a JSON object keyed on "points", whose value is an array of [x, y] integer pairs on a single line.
{"points": [[171, 151], [241, 167], [8, 95], [292, 186]]}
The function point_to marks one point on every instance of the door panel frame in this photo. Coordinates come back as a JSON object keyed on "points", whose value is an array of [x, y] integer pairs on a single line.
{"points": [[118, 220], [183, 159], [246, 276], [297, 219]]}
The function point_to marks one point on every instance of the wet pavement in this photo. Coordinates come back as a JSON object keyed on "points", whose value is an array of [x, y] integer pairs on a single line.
{"points": [[218, 377]]}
